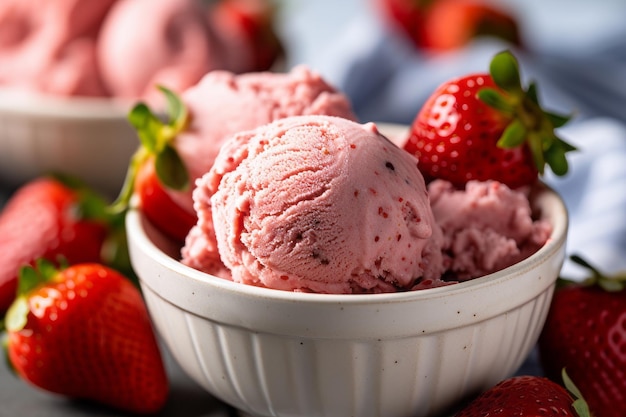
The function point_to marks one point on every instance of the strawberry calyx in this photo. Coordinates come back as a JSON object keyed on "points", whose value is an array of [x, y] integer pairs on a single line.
{"points": [[29, 279], [530, 123], [579, 404], [156, 140], [610, 283], [92, 206]]}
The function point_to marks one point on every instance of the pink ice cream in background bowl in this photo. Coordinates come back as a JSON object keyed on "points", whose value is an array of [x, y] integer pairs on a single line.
{"points": [[339, 290], [70, 71]]}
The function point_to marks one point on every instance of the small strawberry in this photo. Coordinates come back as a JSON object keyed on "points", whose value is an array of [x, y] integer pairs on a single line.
{"points": [[156, 167], [252, 21], [444, 25], [84, 332], [486, 126], [49, 218], [407, 16], [585, 332], [452, 24], [528, 396]]}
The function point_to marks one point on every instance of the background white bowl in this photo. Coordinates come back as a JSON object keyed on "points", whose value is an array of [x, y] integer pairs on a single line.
{"points": [[86, 137], [276, 353]]}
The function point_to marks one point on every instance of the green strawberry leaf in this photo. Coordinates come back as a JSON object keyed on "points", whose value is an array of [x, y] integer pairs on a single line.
{"points": [[147, 126], [171, 169], [610, 283], [177, 110], [557, 120], [156, 139], [579, 404], [531, 93], [531, 124], [555, 155], [495, 99], [504, 70], [513, 136]]}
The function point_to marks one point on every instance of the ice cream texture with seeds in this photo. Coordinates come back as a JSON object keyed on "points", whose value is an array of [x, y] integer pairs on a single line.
{"points": [[224, 103], [320, 204], [327, 205]]}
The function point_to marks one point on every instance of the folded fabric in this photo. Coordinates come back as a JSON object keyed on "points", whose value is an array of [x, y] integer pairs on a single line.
{"points": [[595, 194]]}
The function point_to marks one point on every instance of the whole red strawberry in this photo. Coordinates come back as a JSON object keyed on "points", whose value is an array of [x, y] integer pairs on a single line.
{"points": [[407, 16], [527, 396], [486, 126], [452, 24], [585, 332], [444, 25], [84, 332], [48, 218], [156, 167]]}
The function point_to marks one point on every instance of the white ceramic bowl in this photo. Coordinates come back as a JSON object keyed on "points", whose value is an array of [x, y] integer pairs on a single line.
{"points": [[87, 138], [275, 353]]}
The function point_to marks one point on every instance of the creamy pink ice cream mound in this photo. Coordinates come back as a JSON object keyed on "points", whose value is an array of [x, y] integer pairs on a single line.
{"points": [[320, 204], [324, 204], [487, 227]]}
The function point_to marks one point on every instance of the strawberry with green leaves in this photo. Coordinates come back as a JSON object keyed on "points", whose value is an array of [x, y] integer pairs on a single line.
{"points": [[84, 332], [528, 396], [487, 127], [585, 332], [54, 218], [156, 168]]}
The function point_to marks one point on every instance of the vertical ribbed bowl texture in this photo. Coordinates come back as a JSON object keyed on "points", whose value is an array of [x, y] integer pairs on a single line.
{"points": [[87, 138], [276, 353]]}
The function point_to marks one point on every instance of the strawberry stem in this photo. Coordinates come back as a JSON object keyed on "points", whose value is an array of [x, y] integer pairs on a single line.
{"points": [[156, 138], [29, 278], [530, 123], [610, 283], [579, 404]]}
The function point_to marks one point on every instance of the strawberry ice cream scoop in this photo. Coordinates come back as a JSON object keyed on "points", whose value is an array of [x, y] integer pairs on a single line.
{"points": [[50, 46], [224, 103], [144, 43], [320, 204], [487, 226]]}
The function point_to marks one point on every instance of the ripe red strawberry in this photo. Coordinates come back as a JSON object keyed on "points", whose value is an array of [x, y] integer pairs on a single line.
{"points": [[253, 21], [443, 25], [407, 16], [173, 220], [47, 218], [528, 396], [585, 332], [84, 332], [156, 167], [452, 24], [486, 126]]}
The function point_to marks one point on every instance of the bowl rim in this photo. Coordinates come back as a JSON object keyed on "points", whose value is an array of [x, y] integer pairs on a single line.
{"points": [[544, 197], [23, 103]]}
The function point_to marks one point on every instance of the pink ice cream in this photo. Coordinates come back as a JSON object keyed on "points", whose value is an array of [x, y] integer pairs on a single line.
{"points": [[144, 43], [318, 204], [487, 227], [124, 48], [50, 46], [324, 204], [224, 103]]}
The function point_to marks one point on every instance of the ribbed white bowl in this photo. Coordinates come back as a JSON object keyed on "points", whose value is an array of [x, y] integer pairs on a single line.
{"points": [[87, 138], [275, 353]]}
